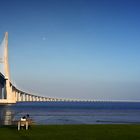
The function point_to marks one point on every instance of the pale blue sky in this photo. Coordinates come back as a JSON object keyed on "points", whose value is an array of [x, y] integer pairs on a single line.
{"points": [[85, 49]]}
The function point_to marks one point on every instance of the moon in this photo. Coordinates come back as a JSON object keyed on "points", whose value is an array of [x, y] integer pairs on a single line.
{"points": [[43, 38]]}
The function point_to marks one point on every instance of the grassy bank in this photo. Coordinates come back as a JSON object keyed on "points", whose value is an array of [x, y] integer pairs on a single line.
{"points": [[73, 132]]}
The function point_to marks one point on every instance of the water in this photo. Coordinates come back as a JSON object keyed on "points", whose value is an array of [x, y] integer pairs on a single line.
{"points": [[73, 112]]}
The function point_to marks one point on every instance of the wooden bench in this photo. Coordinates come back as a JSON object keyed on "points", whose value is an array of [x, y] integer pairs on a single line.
{"points": [[25, 124]]}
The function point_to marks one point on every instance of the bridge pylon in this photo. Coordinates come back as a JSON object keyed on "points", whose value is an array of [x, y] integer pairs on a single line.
{"points": [[8, 92]]}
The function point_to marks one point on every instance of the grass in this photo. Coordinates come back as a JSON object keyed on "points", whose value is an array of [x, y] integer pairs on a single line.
{"points": [[72, 132]]}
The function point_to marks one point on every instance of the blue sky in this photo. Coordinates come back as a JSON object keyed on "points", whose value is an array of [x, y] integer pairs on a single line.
{"points": [[85, 49]]}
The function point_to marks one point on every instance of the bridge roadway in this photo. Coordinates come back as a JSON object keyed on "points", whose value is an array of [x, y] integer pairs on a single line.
{"points": [[19, 95], [22, 96]]}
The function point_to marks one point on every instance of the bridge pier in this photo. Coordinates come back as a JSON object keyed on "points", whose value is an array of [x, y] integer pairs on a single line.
{"points": [[28, 97], [36, 98], [19, 96], [25, 97], [15, 93], [33, 98]]}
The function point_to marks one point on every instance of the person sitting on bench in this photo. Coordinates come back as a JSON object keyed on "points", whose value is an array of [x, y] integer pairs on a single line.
{"points": [[23, 123], [23, 118]]}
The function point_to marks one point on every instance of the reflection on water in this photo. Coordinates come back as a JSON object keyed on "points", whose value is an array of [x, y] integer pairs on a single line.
{"points": [[6, 115], [72, 113]]}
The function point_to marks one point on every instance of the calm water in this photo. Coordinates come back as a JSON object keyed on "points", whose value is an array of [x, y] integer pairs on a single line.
{"points": [[73, 112]]}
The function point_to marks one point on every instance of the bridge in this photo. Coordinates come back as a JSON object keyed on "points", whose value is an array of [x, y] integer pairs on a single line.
{"points": [[9, 93]]}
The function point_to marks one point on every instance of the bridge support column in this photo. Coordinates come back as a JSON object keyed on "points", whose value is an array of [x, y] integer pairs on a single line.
{"points": [[36, 98], [25, 97], [12, 92], [19, 96], [42, 99], [32, 98], [28, 97], [15, 94]]}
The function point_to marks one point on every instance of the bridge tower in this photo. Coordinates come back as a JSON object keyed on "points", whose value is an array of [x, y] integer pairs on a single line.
{"points": [[8, 93]]}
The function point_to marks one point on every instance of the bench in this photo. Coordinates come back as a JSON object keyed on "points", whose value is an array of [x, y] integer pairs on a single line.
{"points": [[25, 124]]}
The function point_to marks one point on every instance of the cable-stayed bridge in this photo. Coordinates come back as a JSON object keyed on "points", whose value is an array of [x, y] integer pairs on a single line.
{"points": [[9, 93]]}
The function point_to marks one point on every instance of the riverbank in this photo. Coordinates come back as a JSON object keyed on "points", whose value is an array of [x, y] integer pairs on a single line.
{"points": [[72, 132]]}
